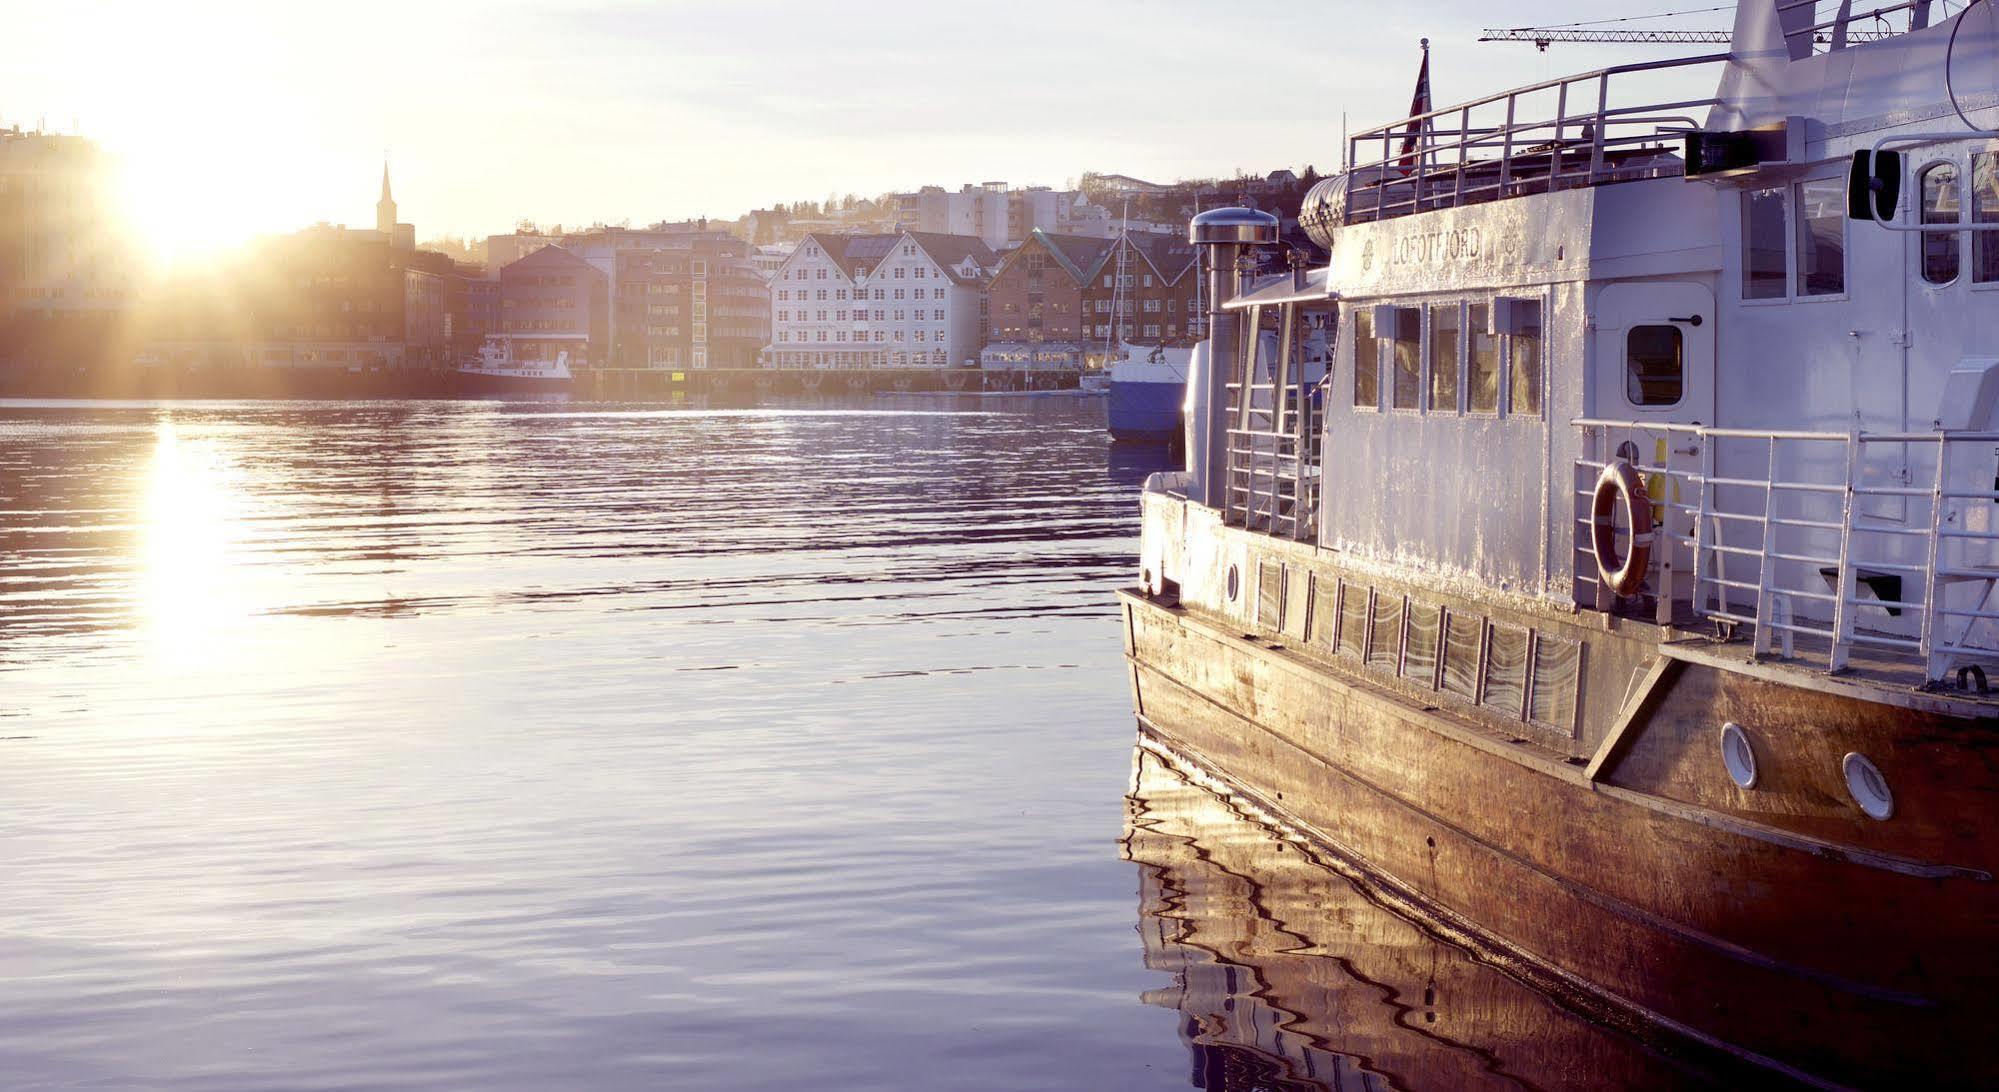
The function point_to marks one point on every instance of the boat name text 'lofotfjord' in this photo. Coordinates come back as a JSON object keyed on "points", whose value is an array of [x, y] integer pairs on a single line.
{"points": [[1455, 245]]}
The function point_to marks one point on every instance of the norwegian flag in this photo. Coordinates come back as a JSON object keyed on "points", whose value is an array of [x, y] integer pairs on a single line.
{"points": [[1419, 103]]}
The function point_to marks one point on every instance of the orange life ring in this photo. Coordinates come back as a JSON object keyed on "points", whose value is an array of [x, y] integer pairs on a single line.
{"points": [[1620, 481]]}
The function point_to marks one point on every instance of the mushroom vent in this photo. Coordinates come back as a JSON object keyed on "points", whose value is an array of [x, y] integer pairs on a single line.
{"points": [[1237, 226]]}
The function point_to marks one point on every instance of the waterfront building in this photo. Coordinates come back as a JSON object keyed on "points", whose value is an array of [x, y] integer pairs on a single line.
{"points": [[769, 259], [334, 297], [698, 302], [1036, 308], [1060, 301], [1144, 292], [66, 272], [998, 215], [912, 299], [556, 294]]}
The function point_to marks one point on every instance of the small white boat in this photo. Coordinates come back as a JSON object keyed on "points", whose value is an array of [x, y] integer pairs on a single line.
{"points": [[497, 370]]}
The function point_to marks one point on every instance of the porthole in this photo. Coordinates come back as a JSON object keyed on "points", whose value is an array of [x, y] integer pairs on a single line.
{"points": [[1235, 583], [1738, 755], [1867, 787]]}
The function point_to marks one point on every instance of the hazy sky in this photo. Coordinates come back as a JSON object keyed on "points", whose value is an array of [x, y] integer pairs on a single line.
{"points": [[247, 117]]}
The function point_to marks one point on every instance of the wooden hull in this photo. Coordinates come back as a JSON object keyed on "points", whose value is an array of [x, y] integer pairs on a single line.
{"points": [[1782, 925], [1287, 966]]}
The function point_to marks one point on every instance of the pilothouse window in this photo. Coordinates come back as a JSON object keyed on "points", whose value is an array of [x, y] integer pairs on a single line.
{"points": [[1655, 368], [1984, 210], [1524, 358], [1366, 361], [1941, 205], [1408, 392], [1482, 361], [1821, 207], [1763, 274], [1444, 358]]}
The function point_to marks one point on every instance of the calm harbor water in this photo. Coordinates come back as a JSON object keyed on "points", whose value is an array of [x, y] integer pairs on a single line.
{"points": [[433, 745]]}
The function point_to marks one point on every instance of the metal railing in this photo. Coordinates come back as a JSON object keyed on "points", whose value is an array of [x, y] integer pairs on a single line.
{"points": [[1853, 539], [1560, 134], [1273, 434]]}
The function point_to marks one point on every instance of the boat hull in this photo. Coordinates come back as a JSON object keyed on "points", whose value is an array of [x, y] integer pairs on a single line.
{"points": [[1145, 411], [488, 383], [1774, 944]]}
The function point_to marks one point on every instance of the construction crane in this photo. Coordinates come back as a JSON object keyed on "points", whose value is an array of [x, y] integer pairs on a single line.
{"points": [[1542, 37]]}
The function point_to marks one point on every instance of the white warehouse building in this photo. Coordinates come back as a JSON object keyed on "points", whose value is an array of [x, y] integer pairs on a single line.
{"points": [[910, 300]]}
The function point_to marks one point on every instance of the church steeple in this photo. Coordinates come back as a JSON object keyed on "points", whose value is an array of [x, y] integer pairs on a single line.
{"points": [[385, 209]]}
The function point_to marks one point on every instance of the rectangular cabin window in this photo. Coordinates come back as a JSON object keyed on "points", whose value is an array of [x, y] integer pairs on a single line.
{"points": [[1821, 206], [1523, 352], [1984, 210], [1655, 369], [1481, 360], [1408, 349], [1938, 183], [1444, 357], [1366, 360], [1763, 273]]}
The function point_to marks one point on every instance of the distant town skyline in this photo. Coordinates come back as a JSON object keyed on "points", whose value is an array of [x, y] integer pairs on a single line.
{"points": [[237, 119]]}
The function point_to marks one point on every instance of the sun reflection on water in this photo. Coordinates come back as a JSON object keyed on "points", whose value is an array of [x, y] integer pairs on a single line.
{"points": [[189, 529]]}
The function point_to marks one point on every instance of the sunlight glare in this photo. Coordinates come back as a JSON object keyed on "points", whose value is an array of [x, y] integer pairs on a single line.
{"points": [[189, 522]]}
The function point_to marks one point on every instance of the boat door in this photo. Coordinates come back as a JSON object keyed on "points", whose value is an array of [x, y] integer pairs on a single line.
{"points": [[1655, 352]]}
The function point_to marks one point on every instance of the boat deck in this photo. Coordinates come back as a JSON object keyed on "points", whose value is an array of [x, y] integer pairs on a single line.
{"points": [[1883, 674]]}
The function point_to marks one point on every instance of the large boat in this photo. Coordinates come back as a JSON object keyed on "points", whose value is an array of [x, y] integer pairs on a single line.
{"points": [[1147, 385], [1624, 595], [502, 368]]}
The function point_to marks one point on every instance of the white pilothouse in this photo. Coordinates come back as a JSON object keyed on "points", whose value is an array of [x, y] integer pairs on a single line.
{"points": [[1626, 586]]}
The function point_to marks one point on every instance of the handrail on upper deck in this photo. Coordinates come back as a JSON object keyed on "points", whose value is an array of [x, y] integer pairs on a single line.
{"points": [[1396, 127], [1426, 183]]}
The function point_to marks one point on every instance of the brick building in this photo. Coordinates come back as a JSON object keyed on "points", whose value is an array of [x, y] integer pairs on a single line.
{"points": [[1054, 299], [558, 295], [696, 301], [1156, 302]]}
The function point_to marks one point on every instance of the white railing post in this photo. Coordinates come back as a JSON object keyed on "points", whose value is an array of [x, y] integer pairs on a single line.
{"points": [[1846, 582], [1935, 663], [1663, 538], [1764, 571], [1704, 531]]}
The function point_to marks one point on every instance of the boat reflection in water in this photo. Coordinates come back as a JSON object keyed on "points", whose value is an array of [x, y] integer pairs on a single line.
{"points": [[1290, 976]]}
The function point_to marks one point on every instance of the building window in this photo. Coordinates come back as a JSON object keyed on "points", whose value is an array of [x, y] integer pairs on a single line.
{"points": [[1763, 273], [1481, 360], [1444, 330], [1821, 205], [1654, 365], [1941, 203]]}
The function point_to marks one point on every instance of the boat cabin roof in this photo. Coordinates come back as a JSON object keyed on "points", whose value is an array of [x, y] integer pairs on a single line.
{"points": [[1283, 288]]}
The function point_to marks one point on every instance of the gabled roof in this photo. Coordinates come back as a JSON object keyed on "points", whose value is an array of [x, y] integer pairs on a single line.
{"points": [[1077, 255], [554, 257], [1170, 256], [849, 252], [950, 251]]}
